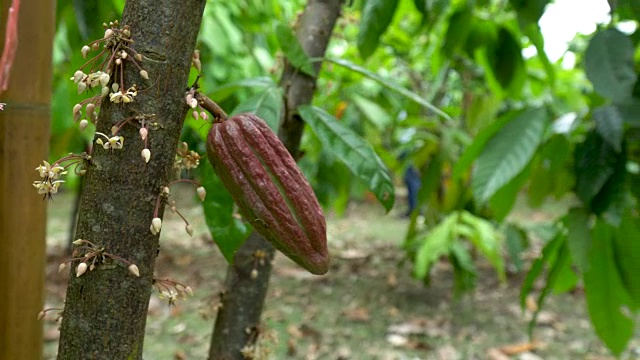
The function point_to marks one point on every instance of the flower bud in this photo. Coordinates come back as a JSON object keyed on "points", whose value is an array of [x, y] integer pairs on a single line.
{"points": [[143, 133], [82, 268], [108, 33], [193, 103], [83, 124], [118, 61], [195, 115], [104, 79], [77, 76], [95, 46], [115, 86], [254, 274], [138, 57], [197, 64], [81, 87], [105, 91], [204, 115], [134, 270], [166, 190], [62, 266], [189, 290], [76, 109], [202, 193], [144, 74], [41, 315], [78, 242], [189, 229], [156, 224], [89, 110], [85, 50], [146, 155], [123, 54]]}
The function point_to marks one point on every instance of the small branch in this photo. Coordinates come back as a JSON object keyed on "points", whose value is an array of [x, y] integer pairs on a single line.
{"points": [[211, 106]]}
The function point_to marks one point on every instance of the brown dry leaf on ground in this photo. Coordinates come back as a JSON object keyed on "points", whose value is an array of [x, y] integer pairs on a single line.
{"points": [[357, 314], [496, 354], [514, 349]]}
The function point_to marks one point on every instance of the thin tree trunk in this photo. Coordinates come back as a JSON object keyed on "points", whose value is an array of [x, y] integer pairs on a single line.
{"points": [[105, 309], [238, 322], [24, 142]]}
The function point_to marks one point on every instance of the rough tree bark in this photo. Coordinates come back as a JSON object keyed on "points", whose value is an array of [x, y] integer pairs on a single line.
{"points": [[238, 322], [105, 309], [24, 143]]}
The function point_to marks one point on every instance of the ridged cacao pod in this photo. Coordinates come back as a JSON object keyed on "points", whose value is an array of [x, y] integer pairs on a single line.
{"points": [[269, 189]]}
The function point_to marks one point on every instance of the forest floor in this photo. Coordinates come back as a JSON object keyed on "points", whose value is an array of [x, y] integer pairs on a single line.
{"points": [[367, 307]]}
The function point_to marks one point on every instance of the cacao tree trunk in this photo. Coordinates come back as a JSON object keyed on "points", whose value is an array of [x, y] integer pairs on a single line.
{"points": [[238, 322], [24, 143], [105, 309]]}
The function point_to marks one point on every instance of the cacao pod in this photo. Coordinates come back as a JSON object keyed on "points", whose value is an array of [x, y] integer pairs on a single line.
{"points": [[269, 189]]}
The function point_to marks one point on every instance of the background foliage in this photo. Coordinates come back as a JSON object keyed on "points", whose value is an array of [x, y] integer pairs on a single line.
{"points": [[441, 85]]}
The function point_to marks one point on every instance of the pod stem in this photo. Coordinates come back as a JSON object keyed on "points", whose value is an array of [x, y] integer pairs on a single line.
{"points": [[211, 106]]}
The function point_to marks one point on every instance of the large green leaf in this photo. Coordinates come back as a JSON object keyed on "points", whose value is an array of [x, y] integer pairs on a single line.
{"points": [[605, 292], [267, 105], [372, 111], [609, 125], [472, 152], [391, 86], [508, 153], [627, 254], [504, 199], [551, 170], [594, 162], [578, 237], [529, 11], [516, 243], [549, 253], [353, 150], [433, 245], [507, 64], [485, 238], [228, 231], [376, 17], [293, 50], [609, 65], [460, 23]]}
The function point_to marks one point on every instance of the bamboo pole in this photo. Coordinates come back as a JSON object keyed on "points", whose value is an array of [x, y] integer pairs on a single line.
{"points": [[24, 143]]}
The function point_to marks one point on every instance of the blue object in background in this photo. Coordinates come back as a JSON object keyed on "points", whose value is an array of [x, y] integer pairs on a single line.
{"points": [[413, 183]]}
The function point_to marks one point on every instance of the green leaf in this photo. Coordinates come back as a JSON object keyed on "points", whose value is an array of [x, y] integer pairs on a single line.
{"points": [[293, 50], [376, 17], [508, 153], [465, 272], [609, 125], [594, 162], [605, 292], [504, 199], [507, 64], [433, 245], [460, 23], [535, 35], [548, 252], [516, 243], [221, 93], [354, 151], [578, 237], [486, 239], [266, 105], [472, 152], [391, 86], [557, 264], [372, 111], [627, 254], [529, 11], [228, 232], [609, 65], [551, 170], [430, 179]]}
